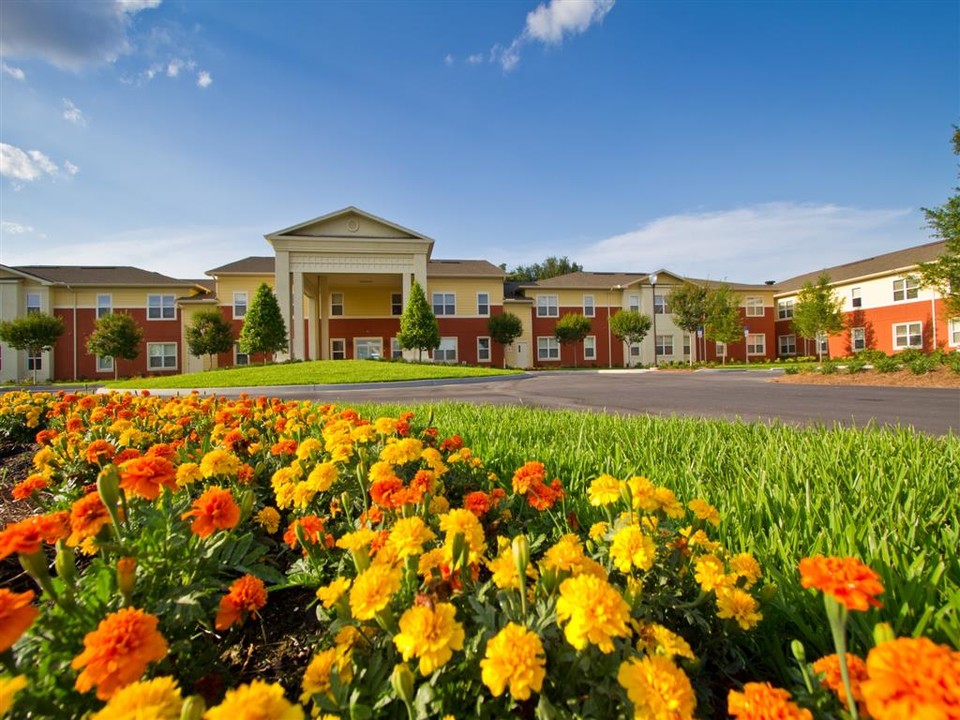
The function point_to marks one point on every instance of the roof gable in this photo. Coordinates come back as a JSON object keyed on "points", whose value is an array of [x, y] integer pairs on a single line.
{"points": [[350, 222]]}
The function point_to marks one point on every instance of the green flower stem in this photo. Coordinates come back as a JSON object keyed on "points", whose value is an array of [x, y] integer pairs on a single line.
{"points": [[837, 615]]}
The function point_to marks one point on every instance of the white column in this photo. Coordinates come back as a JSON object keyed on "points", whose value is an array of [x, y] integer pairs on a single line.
{"points": [[282, 289], [312, 326], [323, 287], [299, 346], [406, 287]]}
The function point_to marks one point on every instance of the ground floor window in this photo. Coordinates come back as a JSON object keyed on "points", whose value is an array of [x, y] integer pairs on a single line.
{"points": [[756, 344], [858, 339], [395, 350], [686, 344], [721, 349], [634, 350], [483, 349], [104, 363], [907, 335], [664, 345], [34, 362], [953, 332], [824, 345], [338, 349], [590, 347], [368, 348], [786, 345], [240, 358], [161, 356], [447, 352], [548, 348]]}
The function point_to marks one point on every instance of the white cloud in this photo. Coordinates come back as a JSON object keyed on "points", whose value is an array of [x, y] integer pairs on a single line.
{"points": [[72, 113], [449, 60], [13, 72], [177, 64], [772, 241], [475, 59], [29, 165], [12, 228], [203, 79], [70, 168]]}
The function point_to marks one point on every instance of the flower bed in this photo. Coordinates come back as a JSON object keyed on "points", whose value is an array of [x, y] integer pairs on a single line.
{"points": [[437, 588]]}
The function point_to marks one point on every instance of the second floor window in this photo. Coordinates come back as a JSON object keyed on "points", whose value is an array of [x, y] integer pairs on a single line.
{"points": [[104, 307], [239, 304], [336, 303], [483, 303], [444, 304], [661, 304], [33, 303], [784, 309], [589, 309], [855, 299], [161, 307], [905, 289], [548, 306], [754, 306], [396, 303]]}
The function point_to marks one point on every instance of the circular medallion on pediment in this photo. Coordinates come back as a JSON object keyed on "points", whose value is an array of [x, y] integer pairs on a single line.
{"points": [[353, 224]]}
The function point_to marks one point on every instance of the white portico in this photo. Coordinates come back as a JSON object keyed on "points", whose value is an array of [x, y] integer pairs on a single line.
{"points": [[345, 245]]}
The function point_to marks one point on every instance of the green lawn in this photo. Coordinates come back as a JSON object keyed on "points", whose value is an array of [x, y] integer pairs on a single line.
{"points": [[318, 372]]}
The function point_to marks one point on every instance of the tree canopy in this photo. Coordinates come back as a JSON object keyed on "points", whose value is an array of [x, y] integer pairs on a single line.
{"points": [[723, 323], [115, 335], [551, 267], [34, 333], [818, 312], [263, 328], [689, 304], [944, 272], [504, 328], [630, 326], [570, 329], [419, 329], [210, 333]]}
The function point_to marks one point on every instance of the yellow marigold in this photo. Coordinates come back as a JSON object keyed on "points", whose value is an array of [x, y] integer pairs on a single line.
{"points": [[744, 565], [739, 605], [219, 463], [329, 594], [829, 668], [433, 458], [347, 637], [157, 699], [912, 678], [463, 521], [283, 476], [632, 548], [307, 447], [302, 495], [658, 689], [438, 505], [269, 519], [408, 536], [514, 658], [380, 471], [668, 502], [357, 540], [316, 678], [655, 639], [605, 490], [373, 589], [594, 612], [700, 540], [710, 573], [400, 452], [10, 686], [433, 559], [564, 555], [430, 634], [504, 569], [118, 651], [363, 434], [188, 473], [385, 425], [598, 530], [762, 701], [322, 476], [643, 494], [705, 511], [257, 701]]}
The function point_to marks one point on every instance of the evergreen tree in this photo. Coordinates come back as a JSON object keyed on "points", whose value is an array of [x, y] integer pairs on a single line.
{"points": [[818, 312], [571, 329], [723, 323], [419, 329], [551, 267], [630, 326], [944, 272], [689, 306], [35, 333], [505, 328], [263, 330], [117, 336], [209, 334]]}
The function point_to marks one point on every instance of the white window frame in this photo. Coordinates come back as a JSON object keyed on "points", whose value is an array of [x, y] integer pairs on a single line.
{"points": [[907, 288], [953, 332], [483, 349], [785, 309], [447, 351], [104, 306], [757, 341], [856, 300], [161, 307], [858, 336], [367, 348], [239, 304], [786, 345], [396, 304], [163, 357], [483, 304], [548, 348], [721, 349], [589, 306], [240, 359], [547, 306], [590, 347], [908, 335], [395, 350], [661, 304], [664, 345], [634, 350], [686, 344], [336, 304], [633, 303], [754, 306], [444, 304], [824, 341], [104, 364], [34, 362], [338, 347], [33, 303]]}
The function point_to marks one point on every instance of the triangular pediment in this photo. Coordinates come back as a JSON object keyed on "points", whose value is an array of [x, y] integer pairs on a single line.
{"points": [[351, 222]]}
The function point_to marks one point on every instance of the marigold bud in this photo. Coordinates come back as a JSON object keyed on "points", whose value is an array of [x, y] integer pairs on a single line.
{"points": [[882, 632], [402, 682], [66, 563], [521, 554], [193, 708]]}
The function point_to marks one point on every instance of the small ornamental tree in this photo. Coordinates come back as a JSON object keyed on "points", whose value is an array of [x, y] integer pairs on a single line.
{"points": [[419, 329], [505, 328], [117, 336], [209, 334], [264, 330], [35, 333], [630, 326], [723, 323], [944, 272], [689, 306], [571, 329], [818, 312]]}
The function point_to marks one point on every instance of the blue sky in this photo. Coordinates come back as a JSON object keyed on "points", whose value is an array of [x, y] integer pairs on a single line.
{"points": [[731, 140]]}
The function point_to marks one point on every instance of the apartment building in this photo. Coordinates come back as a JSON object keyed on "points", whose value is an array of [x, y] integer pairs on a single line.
{"points": [[343, 279]]}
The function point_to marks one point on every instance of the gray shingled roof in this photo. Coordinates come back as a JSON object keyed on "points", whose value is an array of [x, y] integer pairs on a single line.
{"points": [[253, 265], [588, 280], [102, 275], [888, 262]]}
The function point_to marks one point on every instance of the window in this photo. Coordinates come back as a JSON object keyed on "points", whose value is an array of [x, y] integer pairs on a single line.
{"points": [[396, 303], [786, 345], [338, 349], [661, 304], [483, 303], [589, 309], [905, 289], [161, 307], [785, 309], [664, 345], [104, 306], [756, 344], [444, 304], [855, 299], [754, 306], [34, 362], [907, 335], [590, 347], [161, 356], [548, 348], [395, 350], [33, 303], [634, 350], [858, 339], [824, 345], [104, 363], [721, 349], [686, 343], [447, 352], [367, 348], [633, 303], [336, 304], [953, 331], [239, 304], [239, 357], [547, 306], [483, 349]]}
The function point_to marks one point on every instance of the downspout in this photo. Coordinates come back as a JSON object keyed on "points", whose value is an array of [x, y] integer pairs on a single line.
{"points": [[933, 316]]}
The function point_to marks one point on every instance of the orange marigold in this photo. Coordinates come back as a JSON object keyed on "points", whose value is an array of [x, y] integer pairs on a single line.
{"points": [[284, 447], [912, 678], [99, 452], [25, 488], [118, 651], [477, 502], [310, 526], [144, 476], [28, 535], [383, 492], [846, 580], [762, 701], [532, 473], [87, 516], [16, 615], [214, 510], [829, 667], [543, 497], [247, 595]]}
